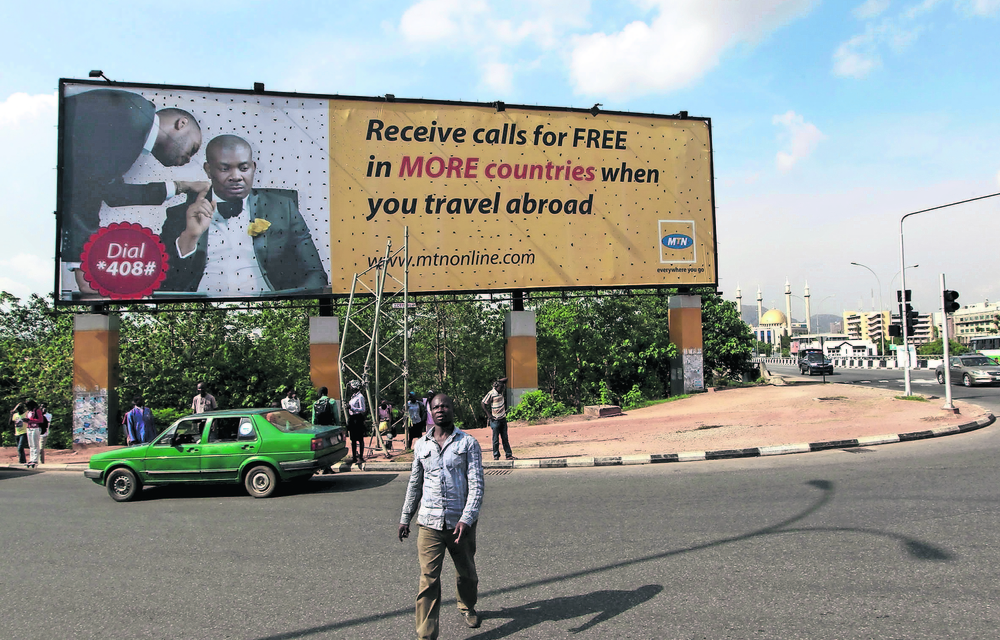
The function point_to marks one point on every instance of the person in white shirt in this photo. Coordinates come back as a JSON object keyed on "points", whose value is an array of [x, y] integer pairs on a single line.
{"points": [[291, 402]]}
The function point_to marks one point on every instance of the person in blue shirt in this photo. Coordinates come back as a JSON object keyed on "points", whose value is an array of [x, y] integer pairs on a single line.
{"points": [[139, 425], [446, 480]]}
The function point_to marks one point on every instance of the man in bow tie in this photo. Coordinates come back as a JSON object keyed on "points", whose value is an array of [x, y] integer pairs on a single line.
{"points": [[234, 240]]}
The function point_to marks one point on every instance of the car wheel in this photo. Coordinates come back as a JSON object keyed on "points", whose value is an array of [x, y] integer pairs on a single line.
{"points": [[122, 485], [967, 380], [940, 377], [260, 481]]}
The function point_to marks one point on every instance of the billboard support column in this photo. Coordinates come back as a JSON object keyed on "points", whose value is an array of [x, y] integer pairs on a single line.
{"points": [[324, 353], [95, 380], [521, 354], [687, 369]]}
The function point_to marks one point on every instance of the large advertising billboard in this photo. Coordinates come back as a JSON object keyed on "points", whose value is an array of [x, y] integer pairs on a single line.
{"points": [[178, 193]]}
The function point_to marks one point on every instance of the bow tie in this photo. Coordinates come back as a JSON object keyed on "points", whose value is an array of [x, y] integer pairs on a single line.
{"points": [[230, 209]]}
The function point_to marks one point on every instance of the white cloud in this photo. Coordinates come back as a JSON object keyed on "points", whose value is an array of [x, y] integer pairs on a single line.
{"points": [[684, 40], [870, 9], [436, 20], [801, 139], [19, 107], [494, 33], [28, 126], [859, 56], [498, 77], [979, 7]]}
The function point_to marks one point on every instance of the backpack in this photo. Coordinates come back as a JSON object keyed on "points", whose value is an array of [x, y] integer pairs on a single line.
{"points": [[323, 412], [357, 404], [415, 409]]}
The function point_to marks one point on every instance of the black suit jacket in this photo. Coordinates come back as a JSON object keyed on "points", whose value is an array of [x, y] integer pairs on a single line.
{"points": [[103, 134], [285, 252]]}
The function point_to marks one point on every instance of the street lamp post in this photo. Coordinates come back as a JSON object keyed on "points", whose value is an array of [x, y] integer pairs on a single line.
{"points": [[902, 280], [881, 308]]}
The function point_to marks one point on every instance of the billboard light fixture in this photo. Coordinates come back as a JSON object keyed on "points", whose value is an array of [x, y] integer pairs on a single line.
{"points": [[594, 110], [390, 97], [97, 73], [258, 87], [500, 106]]}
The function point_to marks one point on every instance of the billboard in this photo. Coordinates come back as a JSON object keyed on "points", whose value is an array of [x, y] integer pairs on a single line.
{"points": [[178, 193]]}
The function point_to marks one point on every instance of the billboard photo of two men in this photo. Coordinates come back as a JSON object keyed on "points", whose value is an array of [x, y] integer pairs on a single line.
{"points": [[179, 194]]}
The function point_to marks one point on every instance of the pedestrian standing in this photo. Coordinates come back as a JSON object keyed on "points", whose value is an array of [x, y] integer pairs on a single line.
{"points": [[446, 481], [357, 408], [416, 419], [495, 407], [45, 430], [203, 401], [33, 420], [385, 428], [291, 402], [427, 409], [139, 424], [20, 431], [323, 411]]}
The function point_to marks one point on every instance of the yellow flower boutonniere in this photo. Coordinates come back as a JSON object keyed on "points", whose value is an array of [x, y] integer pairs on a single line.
{"points": [[258, 226]]}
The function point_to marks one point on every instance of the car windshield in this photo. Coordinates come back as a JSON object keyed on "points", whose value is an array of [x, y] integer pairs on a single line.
{"points": [[978, 361], [286, 421], [813, 357]]}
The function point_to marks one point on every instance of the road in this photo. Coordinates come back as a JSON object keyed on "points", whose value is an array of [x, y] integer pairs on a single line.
{"points": [[922, 381], [897, 541]]}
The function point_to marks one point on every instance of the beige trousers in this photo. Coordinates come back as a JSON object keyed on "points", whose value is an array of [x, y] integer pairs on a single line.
{"points": [[431, 545]]}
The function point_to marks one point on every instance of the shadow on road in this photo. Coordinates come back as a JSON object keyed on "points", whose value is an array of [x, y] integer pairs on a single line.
{"points": [[333, 483], [541, 611]]}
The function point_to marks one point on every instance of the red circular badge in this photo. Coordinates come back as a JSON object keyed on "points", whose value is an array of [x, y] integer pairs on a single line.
{"points": [[124, 260]]}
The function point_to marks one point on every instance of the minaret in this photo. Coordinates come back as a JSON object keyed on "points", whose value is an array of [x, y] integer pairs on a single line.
{"points": [[739, 301], [788, 306], [760, 305], [808, 314]]}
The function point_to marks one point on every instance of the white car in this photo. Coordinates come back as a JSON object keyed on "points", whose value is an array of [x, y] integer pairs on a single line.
{"points": [[971, 370]]}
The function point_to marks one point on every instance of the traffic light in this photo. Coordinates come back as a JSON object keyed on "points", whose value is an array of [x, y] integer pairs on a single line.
{"points": [[895, 331], [911, 320], [899, 295], [950, 306]]}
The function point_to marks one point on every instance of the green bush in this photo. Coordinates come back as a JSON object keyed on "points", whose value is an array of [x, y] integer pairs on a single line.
{"points": [[632, 398], [166, 417], [538, 404]]}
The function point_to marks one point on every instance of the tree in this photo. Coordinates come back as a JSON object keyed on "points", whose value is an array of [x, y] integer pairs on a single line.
{"points": [[936, 348], [728, 341]]}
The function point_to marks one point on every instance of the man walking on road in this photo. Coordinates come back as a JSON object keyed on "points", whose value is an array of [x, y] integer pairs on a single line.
{"points": [[495, 407], [447, 481]]}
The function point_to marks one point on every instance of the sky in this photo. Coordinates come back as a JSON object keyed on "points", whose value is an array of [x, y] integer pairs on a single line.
{"points": [[830, 120]]}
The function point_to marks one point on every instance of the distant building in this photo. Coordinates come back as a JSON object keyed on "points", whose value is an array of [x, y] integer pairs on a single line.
{"points": [[834, 345], [972, 321]]}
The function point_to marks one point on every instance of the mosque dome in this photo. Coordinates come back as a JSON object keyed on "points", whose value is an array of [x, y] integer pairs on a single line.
{"points": [[774, 316]]}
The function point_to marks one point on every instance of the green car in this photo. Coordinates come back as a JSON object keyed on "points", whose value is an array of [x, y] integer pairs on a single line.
{"points": [[256, 447]]}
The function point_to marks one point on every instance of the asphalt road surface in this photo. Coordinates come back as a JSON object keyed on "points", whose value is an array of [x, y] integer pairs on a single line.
{"points": [[922, 381], [897, 541]]}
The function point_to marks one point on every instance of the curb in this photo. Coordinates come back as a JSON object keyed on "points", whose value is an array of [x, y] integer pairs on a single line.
{"points": [[693, 456], [655, 458]]}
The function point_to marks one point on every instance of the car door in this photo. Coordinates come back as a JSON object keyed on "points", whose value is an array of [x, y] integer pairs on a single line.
{"points": [[176, 455], [231, 440], [956, 369]]}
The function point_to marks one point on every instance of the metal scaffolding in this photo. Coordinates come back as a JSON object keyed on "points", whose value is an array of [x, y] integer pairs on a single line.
{"points": [[374, 347]]}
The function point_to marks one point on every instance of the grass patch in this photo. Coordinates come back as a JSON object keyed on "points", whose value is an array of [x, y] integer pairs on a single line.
{"points": [[913, 398]]}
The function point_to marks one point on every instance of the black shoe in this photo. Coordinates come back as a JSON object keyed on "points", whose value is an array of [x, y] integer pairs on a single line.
{"points": [[511, 458], [471, 618]]}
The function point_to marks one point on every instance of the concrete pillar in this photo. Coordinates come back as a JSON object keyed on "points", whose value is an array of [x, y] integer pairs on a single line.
{"points": [[95, 380], [687, 370], [324, 353], [520, 354]]}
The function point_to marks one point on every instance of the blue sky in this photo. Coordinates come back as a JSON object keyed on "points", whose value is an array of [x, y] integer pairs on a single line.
{"points": [[830, 119]]}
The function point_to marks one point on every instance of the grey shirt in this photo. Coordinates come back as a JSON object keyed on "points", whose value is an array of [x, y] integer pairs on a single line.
{"points": [[447, 481]]}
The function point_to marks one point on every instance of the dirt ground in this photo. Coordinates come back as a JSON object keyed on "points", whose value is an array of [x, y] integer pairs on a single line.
{"points": [[730, 419]]}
